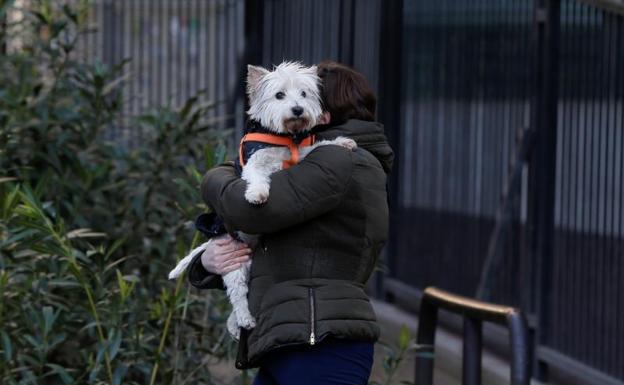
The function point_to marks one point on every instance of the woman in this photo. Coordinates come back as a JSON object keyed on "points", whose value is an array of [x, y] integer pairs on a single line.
{"points": [[322, 230]]}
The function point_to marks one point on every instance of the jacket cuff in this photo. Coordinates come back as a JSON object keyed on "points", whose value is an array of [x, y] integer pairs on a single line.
{"points": [[201, 278]]}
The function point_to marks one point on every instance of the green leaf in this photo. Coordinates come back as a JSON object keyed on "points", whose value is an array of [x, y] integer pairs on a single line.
{"points": [[101, 353], [94, 373], [31, 340], [70, 13], [57, 339], [114, 247], [108, 88], [10, 202], [49, 249], [85, 233], [188, 106], [131, 278], [114, 343], [119, 66], [220, 153], [119, 374], [40, 16], [7, 347], [64, 283], [115, 263], [20, 236], [62, 373], [404, 337], [49, 317], [122, 284], [387, 364]]}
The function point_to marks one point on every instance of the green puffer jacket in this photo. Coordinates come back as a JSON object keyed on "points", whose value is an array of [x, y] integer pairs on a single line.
{"points": [[322, 228]]}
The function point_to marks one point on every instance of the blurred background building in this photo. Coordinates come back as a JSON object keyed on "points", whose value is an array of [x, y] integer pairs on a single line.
{"points": [[507, 118]]}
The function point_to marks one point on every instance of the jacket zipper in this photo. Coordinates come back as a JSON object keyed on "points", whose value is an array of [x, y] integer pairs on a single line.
{"points": [[312, 322]]}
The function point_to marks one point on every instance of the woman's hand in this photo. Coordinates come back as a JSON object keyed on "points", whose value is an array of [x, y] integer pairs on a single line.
{"points": [[225, 254]]}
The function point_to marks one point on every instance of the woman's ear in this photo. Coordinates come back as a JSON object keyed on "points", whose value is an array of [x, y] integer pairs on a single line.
{"points": [[325, 118]]}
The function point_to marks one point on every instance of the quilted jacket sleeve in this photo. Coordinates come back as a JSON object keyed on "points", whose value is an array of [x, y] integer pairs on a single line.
{"points": [[299, 193]]}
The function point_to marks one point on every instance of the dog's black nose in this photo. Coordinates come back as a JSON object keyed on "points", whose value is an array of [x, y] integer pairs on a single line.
{"points": [[297, 111]]}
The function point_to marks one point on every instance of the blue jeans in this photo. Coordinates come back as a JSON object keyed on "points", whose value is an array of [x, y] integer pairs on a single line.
{"points": [[331, 362]]}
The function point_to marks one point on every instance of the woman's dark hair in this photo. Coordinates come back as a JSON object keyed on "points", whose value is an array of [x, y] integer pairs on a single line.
{"points": [[345, 93]]}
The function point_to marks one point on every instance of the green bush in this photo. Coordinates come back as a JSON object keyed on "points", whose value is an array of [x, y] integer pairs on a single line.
{"points": [[90, 228]]}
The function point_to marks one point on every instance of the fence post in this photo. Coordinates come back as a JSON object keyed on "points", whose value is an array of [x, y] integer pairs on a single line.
{"points": [[519, 341], [543, 168], [346, 37], [389, 110], [471, 368], [254, 41], [425, 340], [254, 30]]}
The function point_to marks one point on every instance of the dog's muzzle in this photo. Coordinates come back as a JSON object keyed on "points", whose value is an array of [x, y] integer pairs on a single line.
{"points": [[296, 125]]}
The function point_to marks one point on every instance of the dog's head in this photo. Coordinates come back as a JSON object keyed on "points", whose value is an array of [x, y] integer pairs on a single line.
{"points": [[285, 100]]}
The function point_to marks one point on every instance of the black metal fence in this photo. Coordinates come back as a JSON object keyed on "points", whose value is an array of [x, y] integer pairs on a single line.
{"points": [[477, 76], [586, 309], [469, 83], [311, 31], [176, 49]]}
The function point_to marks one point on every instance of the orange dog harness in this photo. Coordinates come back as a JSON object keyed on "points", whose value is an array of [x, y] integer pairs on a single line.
{"points": [[276, 140]]}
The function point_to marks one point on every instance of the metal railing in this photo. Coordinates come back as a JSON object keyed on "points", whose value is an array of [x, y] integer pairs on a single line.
{"points": [[474, 314]]}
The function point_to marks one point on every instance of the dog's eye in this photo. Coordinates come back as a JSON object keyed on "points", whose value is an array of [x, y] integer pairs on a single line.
{"points": [[279, 95], [303, 94]]}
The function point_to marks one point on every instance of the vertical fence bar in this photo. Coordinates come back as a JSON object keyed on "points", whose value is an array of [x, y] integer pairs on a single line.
{"points": [[425, 339], [620, 226], [347, 24], [543, 164], [519, 345], [471, 368], [389, 108], [254, 36]]}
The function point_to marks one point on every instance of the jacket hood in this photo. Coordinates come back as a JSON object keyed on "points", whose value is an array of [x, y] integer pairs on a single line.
{"points": [[368, 135]]}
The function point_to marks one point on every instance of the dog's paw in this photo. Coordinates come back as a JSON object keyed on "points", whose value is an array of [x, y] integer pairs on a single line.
{"points": [[257, 194], [234, 332], [347, 143], [246, 320], [232, 326]]}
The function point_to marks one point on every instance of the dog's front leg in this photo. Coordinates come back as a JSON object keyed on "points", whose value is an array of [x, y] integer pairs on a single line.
{"points": [[258, 170]]}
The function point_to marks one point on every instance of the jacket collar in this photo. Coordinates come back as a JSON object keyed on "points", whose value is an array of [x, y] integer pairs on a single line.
{"points": [[369, 136]]}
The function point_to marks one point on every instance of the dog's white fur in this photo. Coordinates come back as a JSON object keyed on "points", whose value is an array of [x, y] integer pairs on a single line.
{"points": [[298, 86]]}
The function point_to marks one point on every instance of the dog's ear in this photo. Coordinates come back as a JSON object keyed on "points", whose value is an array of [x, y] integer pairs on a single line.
{"points": [[254, 74]]}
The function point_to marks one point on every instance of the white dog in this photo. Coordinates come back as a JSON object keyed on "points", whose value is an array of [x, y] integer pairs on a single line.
{"points": [[284, 106]]}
